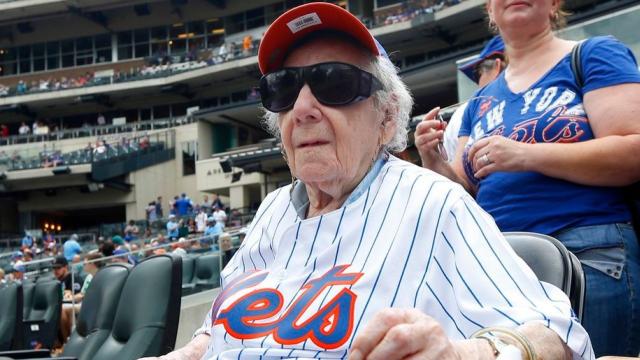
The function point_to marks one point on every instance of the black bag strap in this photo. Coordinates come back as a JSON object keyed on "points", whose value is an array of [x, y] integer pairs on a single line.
{"points": [[576, 63]]}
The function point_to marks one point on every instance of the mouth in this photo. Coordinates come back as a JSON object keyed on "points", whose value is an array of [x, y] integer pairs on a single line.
{"points": [[312, 143], [518, 3]]}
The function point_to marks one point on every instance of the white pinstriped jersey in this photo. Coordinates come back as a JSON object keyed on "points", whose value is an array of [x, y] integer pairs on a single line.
{"points": [[302, 288]]}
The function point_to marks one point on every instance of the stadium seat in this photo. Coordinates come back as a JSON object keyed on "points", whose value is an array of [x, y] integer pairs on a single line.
{"points": [[27, 297], [11, 317], [552, 263], [188, 266], [97, 313], [146, 320], [41, 323], [207, 273]]}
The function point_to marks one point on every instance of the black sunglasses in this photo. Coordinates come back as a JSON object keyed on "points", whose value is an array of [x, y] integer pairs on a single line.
{"points": [[332, 83]]}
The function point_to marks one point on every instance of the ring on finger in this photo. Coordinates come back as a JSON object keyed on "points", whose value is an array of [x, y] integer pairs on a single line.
{"points": [[485, 159]]}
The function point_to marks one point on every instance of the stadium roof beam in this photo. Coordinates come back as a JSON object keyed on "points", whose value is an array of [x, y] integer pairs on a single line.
{"points": [[97, 17], [220, 4]]}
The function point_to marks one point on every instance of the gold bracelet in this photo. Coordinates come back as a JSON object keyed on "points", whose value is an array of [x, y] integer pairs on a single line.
{"points": [[511, 334]]}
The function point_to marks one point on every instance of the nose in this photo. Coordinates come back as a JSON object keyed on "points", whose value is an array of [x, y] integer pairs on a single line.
{"points": [[306, 108]]}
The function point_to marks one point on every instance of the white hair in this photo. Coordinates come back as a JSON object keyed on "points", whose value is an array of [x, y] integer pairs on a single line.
{"points": [[394, 97]]}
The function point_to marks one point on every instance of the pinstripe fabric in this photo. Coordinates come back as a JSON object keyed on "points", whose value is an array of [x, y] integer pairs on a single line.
{"points": [[413, 239]]}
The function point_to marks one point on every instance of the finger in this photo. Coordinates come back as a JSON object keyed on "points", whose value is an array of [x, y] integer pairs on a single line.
{"points": [[477, 146], [374, 332], [428, 138], [426, 126], [486, 170], [400, 341], [432, 113]]}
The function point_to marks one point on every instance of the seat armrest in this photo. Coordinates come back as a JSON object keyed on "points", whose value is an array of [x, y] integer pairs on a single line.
{"points": [[26, 354]]}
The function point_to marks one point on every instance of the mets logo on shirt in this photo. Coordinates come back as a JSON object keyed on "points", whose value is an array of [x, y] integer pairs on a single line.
{"points": [[255, 314]]}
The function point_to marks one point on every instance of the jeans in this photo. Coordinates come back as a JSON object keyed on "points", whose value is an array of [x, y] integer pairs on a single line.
{"points": [[610, 258]]}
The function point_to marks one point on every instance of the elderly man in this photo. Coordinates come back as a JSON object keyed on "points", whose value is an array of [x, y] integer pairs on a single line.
{"points": [[319, 276]]}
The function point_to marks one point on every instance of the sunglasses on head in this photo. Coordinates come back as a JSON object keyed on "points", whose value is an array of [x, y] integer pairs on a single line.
{"points": [[332, 83]]}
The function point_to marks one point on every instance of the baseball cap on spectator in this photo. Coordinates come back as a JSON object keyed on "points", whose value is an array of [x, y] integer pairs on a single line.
{"points": [[172, 216], [118, 240], [74, 237], [17, 255], [210, 219], [495, 47], [302, 20], [59, 261], [120, 252]]}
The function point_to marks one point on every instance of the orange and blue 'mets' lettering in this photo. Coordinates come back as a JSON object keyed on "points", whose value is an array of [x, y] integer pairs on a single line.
{"points": [[328, 328]]}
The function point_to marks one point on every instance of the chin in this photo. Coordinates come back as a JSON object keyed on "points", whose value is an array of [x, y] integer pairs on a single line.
{"points": [[315, 172]]}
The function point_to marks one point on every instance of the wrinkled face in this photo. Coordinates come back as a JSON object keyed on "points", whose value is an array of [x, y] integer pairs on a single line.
{"points": [[520, 15], [325, 143]]}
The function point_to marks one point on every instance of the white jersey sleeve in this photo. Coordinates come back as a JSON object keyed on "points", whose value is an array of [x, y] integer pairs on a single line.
{"points": [[479, 281]]}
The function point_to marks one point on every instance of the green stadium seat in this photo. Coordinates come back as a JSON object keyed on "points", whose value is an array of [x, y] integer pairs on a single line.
{"points": [[41, 323], [10, 317], [207, 272], [188, 271]]}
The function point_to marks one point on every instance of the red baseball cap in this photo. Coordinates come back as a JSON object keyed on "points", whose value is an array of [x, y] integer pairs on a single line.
{"points": [[303, 20]]}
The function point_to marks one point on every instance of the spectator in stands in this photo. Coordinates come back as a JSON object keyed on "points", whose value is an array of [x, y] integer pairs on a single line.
{"points": [[4, 131], [172, 228], [24, 129], [118, 242], [101, 121], [18, 272], [121, 255], [27, 241], [482, 71], [132, 229], [565, 178], [201, 219], [62, 273], [178, 248], [159, 207], [4, 90], [71, 247], [3, 281], [172, 205], [206, 205], [21, 88], [220, 216], [247, 45], [212, 230], [216, 201], [152, 213], [107, 248], [339, 154], [183, 205], [226, 247]]}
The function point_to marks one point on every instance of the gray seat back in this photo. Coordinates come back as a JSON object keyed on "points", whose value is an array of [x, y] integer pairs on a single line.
{"points": [[146, 320], [97, 313], [41, 325], [207, 273], [552, 263], [10, 317]]}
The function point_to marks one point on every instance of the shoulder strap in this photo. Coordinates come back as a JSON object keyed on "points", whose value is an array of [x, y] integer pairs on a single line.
{"points": [[576, 64]]}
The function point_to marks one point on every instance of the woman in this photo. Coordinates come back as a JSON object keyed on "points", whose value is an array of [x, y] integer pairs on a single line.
{"points": [[361, 231], [543, 154]]}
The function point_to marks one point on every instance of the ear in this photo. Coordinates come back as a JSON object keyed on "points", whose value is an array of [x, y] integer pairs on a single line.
{"points": [[389, 124]]}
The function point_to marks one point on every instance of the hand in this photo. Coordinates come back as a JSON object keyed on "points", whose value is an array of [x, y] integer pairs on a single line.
{"points": [[402, 334], [429, 133], [497, 153]]}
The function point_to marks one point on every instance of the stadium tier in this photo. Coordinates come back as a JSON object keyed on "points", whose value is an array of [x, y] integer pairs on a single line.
{"points": [[125, 118]]}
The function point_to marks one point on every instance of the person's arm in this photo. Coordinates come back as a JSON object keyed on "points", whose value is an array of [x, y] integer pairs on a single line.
{"points": [[194, 350], [429, 132], [477, 281], [608, 160]]}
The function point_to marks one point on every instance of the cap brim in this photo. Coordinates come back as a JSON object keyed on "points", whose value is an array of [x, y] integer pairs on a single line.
{"points": [[303, 20]]}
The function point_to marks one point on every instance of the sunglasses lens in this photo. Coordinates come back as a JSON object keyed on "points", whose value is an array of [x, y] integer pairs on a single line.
{"points": [[334, 84], [279, 90]]}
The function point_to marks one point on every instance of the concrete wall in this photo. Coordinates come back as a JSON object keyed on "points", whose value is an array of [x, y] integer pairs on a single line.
{"points": [[192, 312]]}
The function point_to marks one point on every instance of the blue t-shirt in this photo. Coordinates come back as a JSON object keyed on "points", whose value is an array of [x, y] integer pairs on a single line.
{"points": [[70, 248], [550, 111], [182, 206]]}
